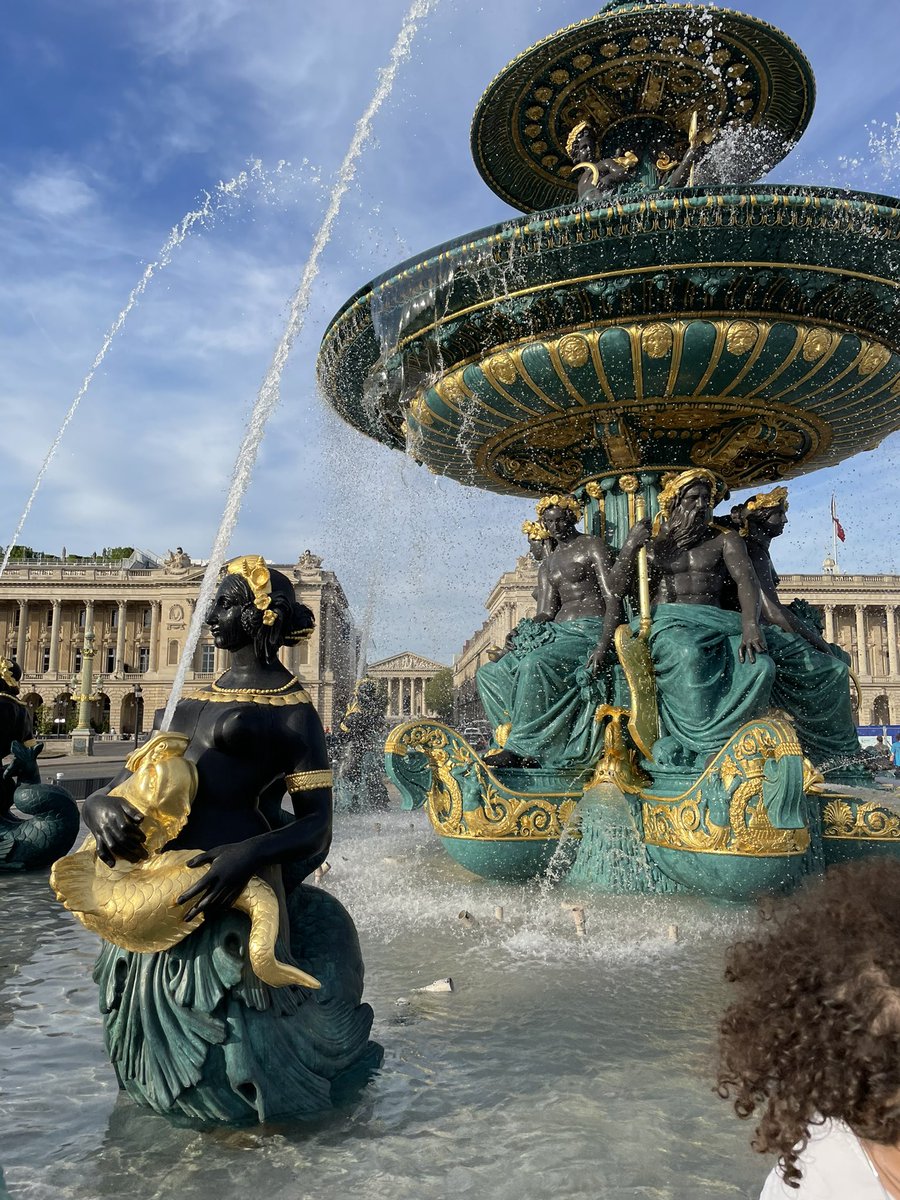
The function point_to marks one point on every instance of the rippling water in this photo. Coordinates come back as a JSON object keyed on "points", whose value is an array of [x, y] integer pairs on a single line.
{"points": [[559, 1066]]}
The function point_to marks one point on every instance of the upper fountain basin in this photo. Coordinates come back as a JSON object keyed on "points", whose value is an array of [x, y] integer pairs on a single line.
{"points": [[754, 331]]}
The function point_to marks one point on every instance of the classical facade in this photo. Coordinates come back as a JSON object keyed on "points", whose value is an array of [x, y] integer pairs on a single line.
{"points": [[859, 613], [405, 675], [139, 611]]}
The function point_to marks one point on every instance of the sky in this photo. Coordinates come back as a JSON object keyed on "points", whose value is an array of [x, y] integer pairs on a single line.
{"points": [[121, 117]]}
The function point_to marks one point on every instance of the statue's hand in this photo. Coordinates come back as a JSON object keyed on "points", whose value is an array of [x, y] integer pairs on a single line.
{"points": [[116, 826], [752, 643], [230, 870], [597, 658], [24, 766]]}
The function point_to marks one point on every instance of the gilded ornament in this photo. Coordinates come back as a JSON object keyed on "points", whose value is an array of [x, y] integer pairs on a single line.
{"points": [[895, 387], [639, 44], [452, 388], [684, 823], [419, 410], [657, 340], [544, 94], [721, 57], [777, 498], [574, 350], [609, 49], [629, 484], [849, 820], [581, 62], [741, 338], [535, 113], [252, 567], [698, 47], [502, 368], [816, 343], [306, 781], [538, 147], [594, 490], [671, 42], [558, 501], [874, 359], [559, 77], [549, 160], [573, 134], [535, 532]]}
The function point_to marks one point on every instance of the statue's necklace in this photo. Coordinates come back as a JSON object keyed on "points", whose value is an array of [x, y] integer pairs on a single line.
{"points": [[247, 691], [217, 694]]}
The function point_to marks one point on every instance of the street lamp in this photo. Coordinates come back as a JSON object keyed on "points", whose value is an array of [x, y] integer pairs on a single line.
{"points": [[137, 712]]}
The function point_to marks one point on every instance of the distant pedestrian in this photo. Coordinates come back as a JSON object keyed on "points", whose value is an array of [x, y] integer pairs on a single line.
{"points": [[895, 755]]}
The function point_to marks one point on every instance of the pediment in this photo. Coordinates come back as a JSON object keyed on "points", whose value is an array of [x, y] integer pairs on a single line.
{"points": [[405, 661]]}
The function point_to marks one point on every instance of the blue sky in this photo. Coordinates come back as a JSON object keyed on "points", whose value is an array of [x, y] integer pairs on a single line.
{"points": [[119, 115]]}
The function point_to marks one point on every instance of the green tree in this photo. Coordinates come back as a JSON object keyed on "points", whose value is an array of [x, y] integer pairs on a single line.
{"points": [[439, 694]]}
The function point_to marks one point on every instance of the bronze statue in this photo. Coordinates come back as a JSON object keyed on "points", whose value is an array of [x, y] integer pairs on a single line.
{"points": [[597, 177], [812, 678], [546, 689], [712, 670], [359, 777], [248, 738]]}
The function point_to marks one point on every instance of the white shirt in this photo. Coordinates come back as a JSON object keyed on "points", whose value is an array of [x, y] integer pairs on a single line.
{"points": [[834, 1166]]}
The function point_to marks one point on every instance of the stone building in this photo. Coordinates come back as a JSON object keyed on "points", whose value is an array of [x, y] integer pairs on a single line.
{"points": [[140, 610], [405, 675], [859, 613]]}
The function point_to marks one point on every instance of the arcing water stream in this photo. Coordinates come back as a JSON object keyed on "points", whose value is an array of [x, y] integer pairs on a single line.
{"points": [[270, 389], [211, 205]]}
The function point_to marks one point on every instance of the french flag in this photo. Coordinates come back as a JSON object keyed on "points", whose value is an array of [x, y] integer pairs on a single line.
{"points": [[838, 527]]}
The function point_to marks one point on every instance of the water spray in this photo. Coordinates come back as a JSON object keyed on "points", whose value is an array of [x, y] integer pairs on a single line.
{"points": [[270, 389]]}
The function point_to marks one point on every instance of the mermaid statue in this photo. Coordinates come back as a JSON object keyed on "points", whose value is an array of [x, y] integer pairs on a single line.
{"points": [[230, 990]]}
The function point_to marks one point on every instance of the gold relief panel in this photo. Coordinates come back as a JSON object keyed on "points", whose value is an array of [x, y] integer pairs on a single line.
{"points": [[849, 820], [657, 339], [574, 350], [742, 337], [874, 359]]}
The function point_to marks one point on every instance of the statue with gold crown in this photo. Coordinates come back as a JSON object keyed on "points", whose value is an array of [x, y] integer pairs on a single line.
{"points": [[230, 989]]}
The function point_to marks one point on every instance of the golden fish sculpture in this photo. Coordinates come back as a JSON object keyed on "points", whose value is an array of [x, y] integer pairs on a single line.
{"points": [[135, 905]]}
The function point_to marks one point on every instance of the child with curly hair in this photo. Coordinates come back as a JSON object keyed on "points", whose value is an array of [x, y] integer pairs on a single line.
{"points": [[812, 1043]]}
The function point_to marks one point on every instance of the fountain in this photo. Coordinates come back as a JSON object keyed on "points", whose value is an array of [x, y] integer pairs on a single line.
{"points": [[656, 330]]}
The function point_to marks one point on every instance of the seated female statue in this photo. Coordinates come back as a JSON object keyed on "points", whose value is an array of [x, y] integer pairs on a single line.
{"points": [[192, 1030]]}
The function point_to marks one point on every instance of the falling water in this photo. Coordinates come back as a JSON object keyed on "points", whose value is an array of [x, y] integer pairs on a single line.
{"points": [[212, 203], [269, 392]]}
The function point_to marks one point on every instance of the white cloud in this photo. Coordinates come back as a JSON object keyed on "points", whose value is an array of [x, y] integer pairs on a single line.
{"points": [[55, 192]]}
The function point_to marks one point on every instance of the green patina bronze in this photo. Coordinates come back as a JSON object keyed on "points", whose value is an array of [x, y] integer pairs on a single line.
{"points": [[656, 311]]}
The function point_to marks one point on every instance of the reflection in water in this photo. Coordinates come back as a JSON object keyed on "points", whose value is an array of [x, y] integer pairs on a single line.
{"points": [[558, 1066]]}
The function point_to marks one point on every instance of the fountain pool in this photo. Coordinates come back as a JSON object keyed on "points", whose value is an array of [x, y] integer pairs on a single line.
{"points": [[577, 1067]]}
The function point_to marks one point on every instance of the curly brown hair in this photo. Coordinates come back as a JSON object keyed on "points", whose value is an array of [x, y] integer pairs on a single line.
{"points": [[815, 1032]]}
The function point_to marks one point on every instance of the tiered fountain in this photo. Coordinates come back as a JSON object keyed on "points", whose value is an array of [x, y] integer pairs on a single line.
{"points": [[626, 328]]}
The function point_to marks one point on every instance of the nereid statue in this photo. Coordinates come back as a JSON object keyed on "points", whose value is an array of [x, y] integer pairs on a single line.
{"points": [[233, 1021]]}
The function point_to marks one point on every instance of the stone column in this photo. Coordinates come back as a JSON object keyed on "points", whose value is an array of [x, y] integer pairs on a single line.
{"points": [[861, 648], [890, 611], [829, 623], [155, 609], [220, 661], [54, 636], [23, 633], [122, 606]]}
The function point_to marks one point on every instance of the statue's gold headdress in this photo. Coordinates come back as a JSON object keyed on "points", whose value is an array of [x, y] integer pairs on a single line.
{"points": [[570, 140], [676, 484], [777, 498], [535, 531], [558, 501], [7, 676], [252, 567]]}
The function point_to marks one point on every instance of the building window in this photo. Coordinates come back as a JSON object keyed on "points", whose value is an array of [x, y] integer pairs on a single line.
{"points": [[145, 618], [303, 653], [45, 659], [49, 617], [207, 658], [76, 661], [114, 618], [82, 618], [17, 617], [173, 654], [143, 658], [109, 660]]}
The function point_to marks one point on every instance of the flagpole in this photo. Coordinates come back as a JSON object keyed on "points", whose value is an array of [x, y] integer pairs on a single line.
{"points": [[834, 539]]}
